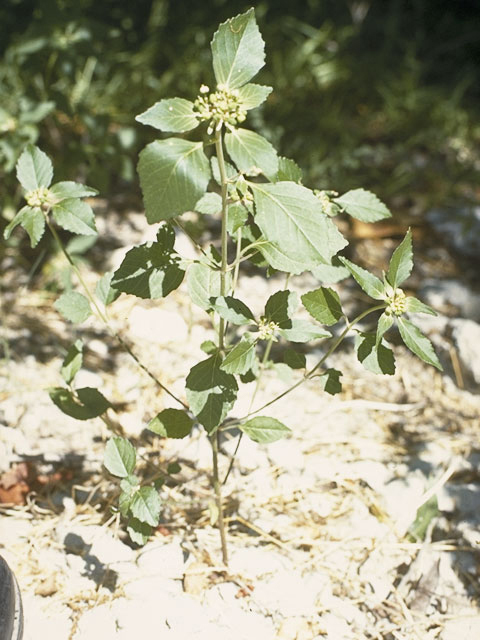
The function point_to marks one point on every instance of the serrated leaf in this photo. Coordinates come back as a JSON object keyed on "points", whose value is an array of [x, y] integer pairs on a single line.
{"points": [[129, 483], [288, 170], [251, 152], [363, 205], [294, 359], [419, 344], [264, 430], [304, 331], [68, 189], [401, 263], [145, 505], [175, 115], [34, 168], [83, 404], [232, 310], [104, 291], [291, 218], [240, 359], [72, 362], [237, 216], [209, 347], [32, 220], [211, 392], [331, 273], [379, 359], [76, 216], [278, 259], [124, 502], [119, 457], [417, 306], [229, 170], [252, 95], [237, 50], [372, 285], [171, 423], [209, 204], [174, 175], [138, 531], [73, 306], [280, 307], [152, 269], [384, 323], [203, 284], [324, 305], [330, 381]]}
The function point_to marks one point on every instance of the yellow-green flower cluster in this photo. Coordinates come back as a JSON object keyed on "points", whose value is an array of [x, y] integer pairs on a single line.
{"points": [[41, 197], [266, 329], [329, 207], [397, 303], [219, 107]]}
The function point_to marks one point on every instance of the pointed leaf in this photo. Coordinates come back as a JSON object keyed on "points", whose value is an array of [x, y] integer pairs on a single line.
{"points": [[237, 216], [229, 170], [330, 381], [252, 95], [401, 263], [232, 310], [138, 531], [304, 331], [209, 204], [84, 404], [372, 285], [145, 505], [278, 258], [323, 304], [104, 291], [175, 115], [34, 168], [264, 430], [417, 306], [294, 359], [174, 175], [384, 323], [203, 284], [419, 344], [251, 152], [119, 457], [76, 216], [68, 189], [73, 306], [240, 359], [280, 307], [288, 170], [32, 220], [363, 205], [379, 359], [72, 362], [238, 50], [171, 423], [331, 273]]}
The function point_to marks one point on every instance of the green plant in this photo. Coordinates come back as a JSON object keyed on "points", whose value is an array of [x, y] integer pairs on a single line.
{"points": [[268, 217]]}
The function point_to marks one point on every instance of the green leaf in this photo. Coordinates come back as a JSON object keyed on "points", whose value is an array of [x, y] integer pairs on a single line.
{"points": [[171, 423], [425, 514], [78, 245], [32, 220], [76, 216], [211, 392], [288, 170], [330, 381], [237, 216], [331, 273], [419, 344], [83, 404], [174, 175], [379, 359], [401, 263], [240, 359], [173, 468], [290, 216], [294, 359], [119, 457], [145, 506], [384, 323], [237, 50], [124, 502], [277, 258], [264, 430], [363, 205], [152, 269], [372, 285], [129, 483], [73, 306], [210, 204], [280, 306], [176, 115], [72, 362], [209, 347], [304, 331], [138, 531], [417, 306], [104, 291], [68, 189], [232, 310], [323, 304], [252, 95], [229, 170], [203, 284], [34, 168], [251, 152]]}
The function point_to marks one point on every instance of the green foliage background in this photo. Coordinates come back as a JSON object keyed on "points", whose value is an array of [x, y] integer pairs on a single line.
{"points": [[379, 94]]}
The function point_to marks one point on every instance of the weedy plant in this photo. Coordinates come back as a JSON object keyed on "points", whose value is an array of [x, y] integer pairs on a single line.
{"points": [[268, 217]]}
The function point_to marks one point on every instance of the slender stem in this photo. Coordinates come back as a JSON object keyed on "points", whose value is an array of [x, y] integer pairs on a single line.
{"points": [[214, 438], [103, 317], [237, 260]]}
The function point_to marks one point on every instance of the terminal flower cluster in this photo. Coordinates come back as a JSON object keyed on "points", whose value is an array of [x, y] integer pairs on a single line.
{"points": [[396, 301], [267, 329], [41, 197], [220, 107]]}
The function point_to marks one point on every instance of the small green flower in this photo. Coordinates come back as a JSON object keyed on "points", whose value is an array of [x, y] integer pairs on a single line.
{"points": [[220, 107], [267, 329], [42, 198]]}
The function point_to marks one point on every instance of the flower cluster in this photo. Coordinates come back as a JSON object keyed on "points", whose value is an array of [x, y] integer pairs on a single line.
{"points": [[397, 303], [220, 107], [266, 329], [329, 207], [41, 197]]}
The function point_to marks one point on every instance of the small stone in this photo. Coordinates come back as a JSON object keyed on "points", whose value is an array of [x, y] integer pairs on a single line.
{"points": [[96, 623], [466, 336], [257, 562]]}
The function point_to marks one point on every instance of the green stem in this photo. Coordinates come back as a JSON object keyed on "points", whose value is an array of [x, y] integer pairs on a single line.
{"points": [[237, 260], [217, 487], [103, 317]]}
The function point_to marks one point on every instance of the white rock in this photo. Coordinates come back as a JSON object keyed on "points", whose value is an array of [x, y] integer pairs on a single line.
{"points": [[336, 628], [286, 454], [157, 325], [166, 560], [96, 623], [441, 293], [55, 624], [257, 561], [466, 335], [286, 593], [462, 629]]}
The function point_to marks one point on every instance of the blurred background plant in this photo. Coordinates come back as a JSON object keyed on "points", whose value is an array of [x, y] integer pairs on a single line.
{"points": [[383, 95]]}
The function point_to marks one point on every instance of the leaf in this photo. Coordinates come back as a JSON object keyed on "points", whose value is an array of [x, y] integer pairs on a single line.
{"points": [[232, 310], [211, 392], [124, 502], [294, 359], [237, 216], [174, 175], [145, 506], [419, 344], [425, 514], [251, 152], [34, 168], [330, 381], [401, 263], [384, 323], [171, 423], [139, 532], [152, 269], [209, 347], [323, 304], [240, 359], [417, 306], [290, 216], [331, 273], [264, 430], [68, 189], [277, 258], [372, 285], [280, 306], [288, 170], [173, 468], [363, 205], [83, 404], [379, 359], [237, 50], [119, 457], [73, 306], [76, 216], [304, 331], [32, 220], [175, 114], [252, 95], [210, 204], [104, 291], [72, 362], [229, 170], [203, 284]]}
